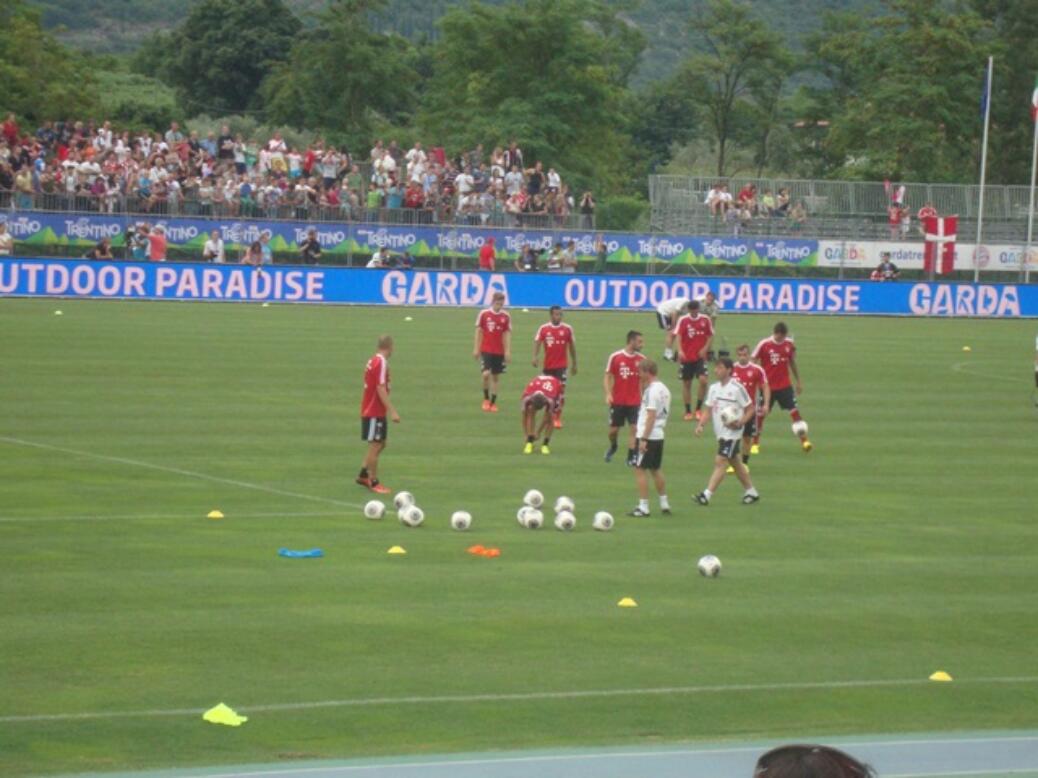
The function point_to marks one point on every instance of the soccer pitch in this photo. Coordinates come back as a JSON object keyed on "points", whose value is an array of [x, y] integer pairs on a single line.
{"points": [[905, 543]]}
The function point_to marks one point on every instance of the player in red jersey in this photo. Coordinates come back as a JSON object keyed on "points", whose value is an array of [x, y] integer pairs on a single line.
{"points": [[755, 382], [623, 394], [777, 355], [542, 393], [695, 333], [559, 349], [493, 347], [375, 406]]}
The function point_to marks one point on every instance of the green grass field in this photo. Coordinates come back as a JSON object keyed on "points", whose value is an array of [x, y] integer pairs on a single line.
{"points": [[906, 543]]}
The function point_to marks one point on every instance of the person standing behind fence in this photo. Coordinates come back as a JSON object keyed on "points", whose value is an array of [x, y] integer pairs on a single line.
{"points": [[487, 255], [310, 251], [6, 241], [157, 244], [214, 251]]}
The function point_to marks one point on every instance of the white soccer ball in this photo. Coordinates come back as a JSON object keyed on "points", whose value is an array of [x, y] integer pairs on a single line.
{"points": [[521, 514], [730, 413], [709, 566], [534, 519], [461, 520], [565, 521], [375, 509], [533, 498], [403, 499], [564, 504], [800, 428], [603, 521], [411, 516]]}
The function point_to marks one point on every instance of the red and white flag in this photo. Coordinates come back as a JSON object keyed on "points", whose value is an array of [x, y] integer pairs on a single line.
{"points": [[939, 253]]}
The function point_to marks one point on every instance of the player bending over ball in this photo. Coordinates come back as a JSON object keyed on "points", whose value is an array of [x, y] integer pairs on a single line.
{"points": [[623, 393], [694, 332], [375, 406], [777, 355], [731, 408], [667, 314], [544, 393], [652, 419], [755, 381], [559, 349], [493, 347]]}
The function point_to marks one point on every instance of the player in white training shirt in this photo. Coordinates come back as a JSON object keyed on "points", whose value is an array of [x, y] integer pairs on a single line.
{"points": [[667, 314], [652, 419], [726, 393]]}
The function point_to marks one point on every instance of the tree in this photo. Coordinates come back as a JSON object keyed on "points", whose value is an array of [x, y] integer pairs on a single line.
{"points": [[41, 79], [905, 90], [1015, 25], [342, 75], [550, 73], [738, 75], [220, 55]]}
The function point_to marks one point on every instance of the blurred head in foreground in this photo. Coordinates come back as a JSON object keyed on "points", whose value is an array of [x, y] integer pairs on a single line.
{"points": [[799, 761]]}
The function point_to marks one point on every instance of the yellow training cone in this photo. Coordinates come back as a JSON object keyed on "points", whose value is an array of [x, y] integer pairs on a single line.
{"points": [[222, 714], [627, 602], [966, 348], [396, 550], [940, 675], [214, 515]]}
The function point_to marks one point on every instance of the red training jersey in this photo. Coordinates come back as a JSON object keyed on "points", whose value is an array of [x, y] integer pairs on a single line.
{"points": [[549, 386], [693, 332], [494, 326], [774, 357], [627, 389], [376, 374], [556, 339], [751, 376], [486, 257]]}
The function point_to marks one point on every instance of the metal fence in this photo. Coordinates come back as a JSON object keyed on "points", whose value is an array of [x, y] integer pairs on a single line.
{"points": [[678, 202], [146, 209]]}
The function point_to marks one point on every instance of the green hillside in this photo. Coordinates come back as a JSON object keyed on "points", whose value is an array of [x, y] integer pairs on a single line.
{"points": [[120, 25]]}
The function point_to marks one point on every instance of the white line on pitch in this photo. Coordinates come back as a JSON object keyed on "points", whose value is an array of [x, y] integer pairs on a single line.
{"points": [[176, 470], [960, 367], [519, 697], [640, 755], [146, 516]]}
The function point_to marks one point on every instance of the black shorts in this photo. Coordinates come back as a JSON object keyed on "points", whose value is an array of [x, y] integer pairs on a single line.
{"points": [[689, 370], [750, 430], [785, 398], [618, 414], [556, 372], [665, 322], [493, 363], [373, 429], [729, 449], [652, 457]]}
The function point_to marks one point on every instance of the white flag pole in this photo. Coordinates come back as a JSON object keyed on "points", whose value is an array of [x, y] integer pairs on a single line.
{"points": [[983, 171], [1030, 206]]}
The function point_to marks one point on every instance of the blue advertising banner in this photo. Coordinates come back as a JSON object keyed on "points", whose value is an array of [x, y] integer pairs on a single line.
{"points": [[43, 228], [330, 285]]}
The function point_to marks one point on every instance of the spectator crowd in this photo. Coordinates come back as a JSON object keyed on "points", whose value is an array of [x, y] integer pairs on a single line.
{"points": [[740, 210], [83, 166]]}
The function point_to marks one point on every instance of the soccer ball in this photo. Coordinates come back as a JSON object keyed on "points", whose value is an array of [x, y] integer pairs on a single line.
{"points": [[800, 428], [461, 520], [565, 521], [534, 519], [411, 516], [730, 413], [521, 514], [403, 499], [533, 498], [709, 566], [564, 504], [375, 509], [603, 521]]}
